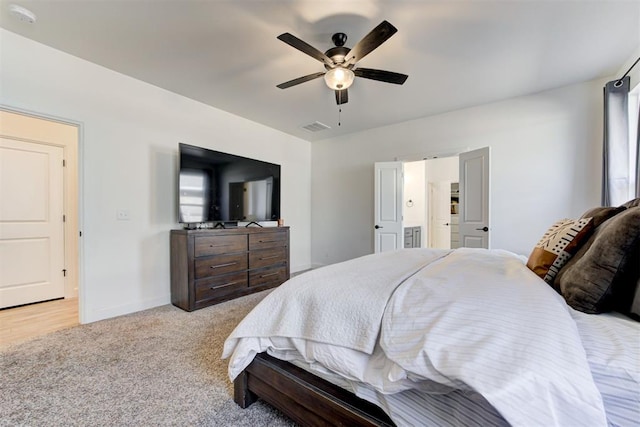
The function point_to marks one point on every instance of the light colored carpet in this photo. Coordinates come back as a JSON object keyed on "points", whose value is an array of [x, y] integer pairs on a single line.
{"points": [[159, 367]]}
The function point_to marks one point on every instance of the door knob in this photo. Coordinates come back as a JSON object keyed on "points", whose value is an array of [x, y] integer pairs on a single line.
{"points": [[446, 223], [483, 229], [378, 226]]}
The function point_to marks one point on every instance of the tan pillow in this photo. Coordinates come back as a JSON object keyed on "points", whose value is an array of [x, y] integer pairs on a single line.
{"points": [[557, 246]]}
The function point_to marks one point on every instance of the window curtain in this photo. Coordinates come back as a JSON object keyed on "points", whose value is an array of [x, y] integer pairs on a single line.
{"points": [[637, 142], [616, 174]]}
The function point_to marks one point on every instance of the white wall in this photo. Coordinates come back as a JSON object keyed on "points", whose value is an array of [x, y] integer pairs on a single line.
{"points": [[545, 165], [128, 153]]}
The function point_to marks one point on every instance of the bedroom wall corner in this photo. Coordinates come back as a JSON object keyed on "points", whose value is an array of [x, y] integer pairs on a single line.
{"points": [[635, 72]]}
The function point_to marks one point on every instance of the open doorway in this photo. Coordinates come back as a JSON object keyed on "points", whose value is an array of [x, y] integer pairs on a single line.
{"points": [[431, 197], [436, 202], [39, 239]]}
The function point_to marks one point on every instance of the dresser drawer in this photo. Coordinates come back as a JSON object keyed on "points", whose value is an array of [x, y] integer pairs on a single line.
{"points": [[220, 264], [215, 245], [270, 276], [220, 286], [267, 240], [266, 257]]}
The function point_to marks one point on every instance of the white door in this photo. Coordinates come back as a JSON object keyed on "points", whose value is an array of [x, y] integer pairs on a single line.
{"points": [[388, 206], [474, 199], [31, 222], [440, 207]]}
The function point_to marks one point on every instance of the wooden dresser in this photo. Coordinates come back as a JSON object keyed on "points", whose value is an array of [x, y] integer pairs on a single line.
{"points": [[215, 265]]}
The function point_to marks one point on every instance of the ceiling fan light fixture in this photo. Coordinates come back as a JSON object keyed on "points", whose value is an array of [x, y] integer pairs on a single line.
{"points": [[340, 61], [339, 78]]}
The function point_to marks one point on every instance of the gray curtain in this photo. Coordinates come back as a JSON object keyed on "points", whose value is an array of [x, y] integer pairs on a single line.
{"points": [[615, 171], [638, 157]]}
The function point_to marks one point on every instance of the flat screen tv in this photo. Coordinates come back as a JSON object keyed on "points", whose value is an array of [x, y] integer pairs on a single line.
{"points": [[220, 188]]}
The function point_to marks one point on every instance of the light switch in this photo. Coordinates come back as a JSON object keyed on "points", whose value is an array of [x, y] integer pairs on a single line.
{"points": [[122, 215]]}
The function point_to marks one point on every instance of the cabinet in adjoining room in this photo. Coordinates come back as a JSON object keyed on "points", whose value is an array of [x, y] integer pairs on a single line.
{"points": [[412, 237], [209, 266], [455, 215]]}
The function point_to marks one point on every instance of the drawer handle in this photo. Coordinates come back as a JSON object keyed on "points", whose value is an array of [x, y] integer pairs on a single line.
{"points": [[224, 284], [223, 265], [218, 246], [268, 241], [267, 275], [269, 257]]}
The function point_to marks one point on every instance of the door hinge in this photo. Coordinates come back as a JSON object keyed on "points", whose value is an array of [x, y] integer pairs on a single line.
{"points": [[64, 272], [81, 234], [64, 163], [64, 218]]}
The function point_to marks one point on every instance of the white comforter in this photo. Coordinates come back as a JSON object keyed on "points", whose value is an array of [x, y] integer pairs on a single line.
{"points": [[468, 319]]}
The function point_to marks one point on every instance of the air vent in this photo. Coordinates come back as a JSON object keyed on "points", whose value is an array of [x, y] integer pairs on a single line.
{"points": [[316, 127]]}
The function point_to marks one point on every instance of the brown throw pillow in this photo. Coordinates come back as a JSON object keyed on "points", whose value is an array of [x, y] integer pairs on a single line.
{"points": [[601, 214], [598, 216], [557, 245], [634, 309], [605, 277], [631, 203]]}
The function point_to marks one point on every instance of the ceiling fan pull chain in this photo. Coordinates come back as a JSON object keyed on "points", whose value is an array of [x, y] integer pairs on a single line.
{"points": [[339, 107]]}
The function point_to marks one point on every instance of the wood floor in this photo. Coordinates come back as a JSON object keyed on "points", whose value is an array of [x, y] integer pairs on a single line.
{"points": [[24, 323]]}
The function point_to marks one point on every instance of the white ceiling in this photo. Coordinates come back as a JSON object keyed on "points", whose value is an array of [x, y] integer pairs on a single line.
{"points": [[225, 53]]}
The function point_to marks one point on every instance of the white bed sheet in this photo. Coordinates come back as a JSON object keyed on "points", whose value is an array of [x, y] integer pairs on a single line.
{"points": [[612, 344], [480, 320], [351, 293], [440, 375]]}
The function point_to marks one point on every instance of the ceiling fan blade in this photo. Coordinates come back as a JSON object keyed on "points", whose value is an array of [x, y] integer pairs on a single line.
{"points": [[381, 75], [375, 38], [342, 96], [304, 47], [300, 80]]}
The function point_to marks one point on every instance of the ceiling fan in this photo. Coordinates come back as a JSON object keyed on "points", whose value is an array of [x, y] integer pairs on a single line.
{"points": [[340, 61]]}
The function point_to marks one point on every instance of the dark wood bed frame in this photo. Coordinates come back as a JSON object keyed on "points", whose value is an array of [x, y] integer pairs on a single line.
{"points": [[304, 397]]}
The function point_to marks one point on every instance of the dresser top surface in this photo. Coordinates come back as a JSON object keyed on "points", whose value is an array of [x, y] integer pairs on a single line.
{"points": [[231, 230]]}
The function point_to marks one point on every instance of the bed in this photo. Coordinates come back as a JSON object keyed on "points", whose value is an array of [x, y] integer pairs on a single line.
{"points": [[456, 337]]}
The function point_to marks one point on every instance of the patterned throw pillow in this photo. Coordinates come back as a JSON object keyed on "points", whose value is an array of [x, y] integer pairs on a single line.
{"points": [[557, 246]]}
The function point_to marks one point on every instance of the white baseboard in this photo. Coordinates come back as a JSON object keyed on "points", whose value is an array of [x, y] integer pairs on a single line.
{"points": [[120, 310], [300, 268]]}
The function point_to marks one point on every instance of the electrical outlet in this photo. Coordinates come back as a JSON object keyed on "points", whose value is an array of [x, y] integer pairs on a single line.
{"points": [[122, 215]]}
